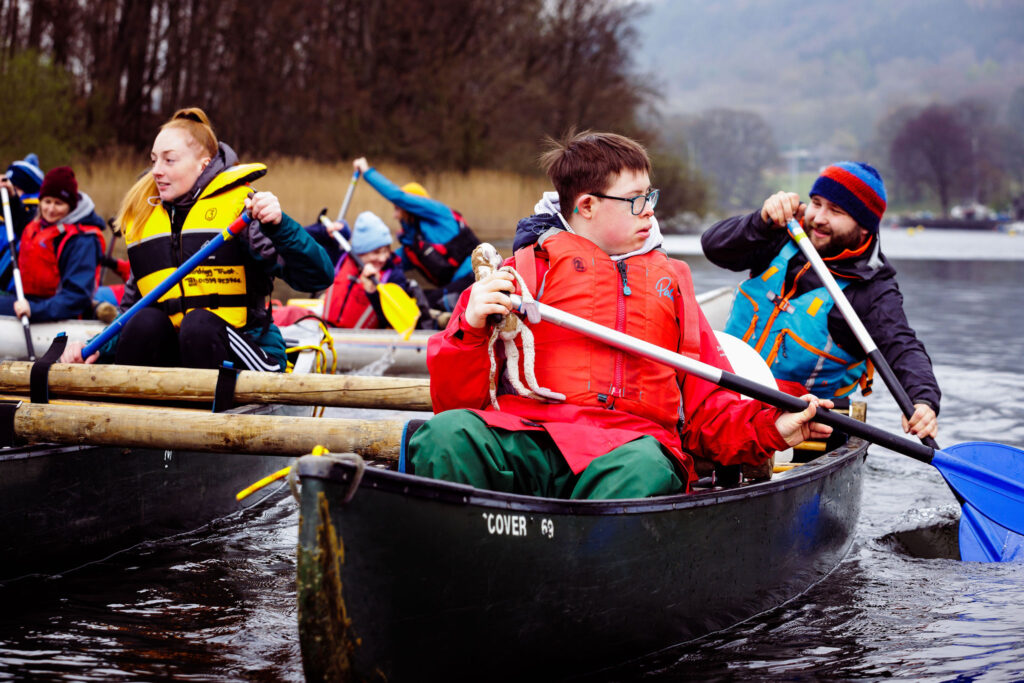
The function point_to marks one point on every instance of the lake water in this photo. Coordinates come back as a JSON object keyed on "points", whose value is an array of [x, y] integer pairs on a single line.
{"points": [[219, 605]]}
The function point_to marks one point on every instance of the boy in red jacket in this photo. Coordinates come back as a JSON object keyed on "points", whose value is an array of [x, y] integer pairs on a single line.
{"points": [[628, 425]]}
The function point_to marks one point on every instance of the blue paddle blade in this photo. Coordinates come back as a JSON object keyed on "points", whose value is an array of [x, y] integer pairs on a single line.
{"points": [[988, 476], [982, 540]]}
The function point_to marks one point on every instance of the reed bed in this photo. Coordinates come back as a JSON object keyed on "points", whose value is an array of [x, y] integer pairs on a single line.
{"points": [[490, 201]]}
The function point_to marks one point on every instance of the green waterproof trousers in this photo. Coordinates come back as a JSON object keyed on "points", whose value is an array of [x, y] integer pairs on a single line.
{"points": [[458, 446]]}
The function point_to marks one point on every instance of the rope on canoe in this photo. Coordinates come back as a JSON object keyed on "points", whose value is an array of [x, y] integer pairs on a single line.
{"points": [[353, 459]]}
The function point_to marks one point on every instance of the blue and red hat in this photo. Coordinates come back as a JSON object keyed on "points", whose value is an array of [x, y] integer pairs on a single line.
{"points": [[857, 188], [26, 174]]}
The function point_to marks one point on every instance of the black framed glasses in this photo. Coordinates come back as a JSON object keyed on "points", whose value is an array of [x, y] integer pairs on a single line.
{"points": [[636, 204]]}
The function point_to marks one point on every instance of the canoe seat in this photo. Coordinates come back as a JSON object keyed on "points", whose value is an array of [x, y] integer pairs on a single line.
{"points": [[732, 475]]}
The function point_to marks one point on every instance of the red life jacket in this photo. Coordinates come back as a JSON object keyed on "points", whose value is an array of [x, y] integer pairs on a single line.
{"points": [[438, 262], [639, 296], [348, 305], [39, 254]]}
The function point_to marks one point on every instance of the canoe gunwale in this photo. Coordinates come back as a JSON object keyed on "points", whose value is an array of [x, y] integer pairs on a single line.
{"points": [[410, 485]]}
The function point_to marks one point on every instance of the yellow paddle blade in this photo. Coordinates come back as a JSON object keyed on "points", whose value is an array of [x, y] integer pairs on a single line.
{"points": [[400, 309]]}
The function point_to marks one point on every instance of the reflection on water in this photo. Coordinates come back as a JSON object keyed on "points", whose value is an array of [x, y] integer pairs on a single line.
{"points": [[221, 605], [211, 606]]}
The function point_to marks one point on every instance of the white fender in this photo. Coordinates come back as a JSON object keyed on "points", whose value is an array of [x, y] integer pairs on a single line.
{"points": [[747, 363]]}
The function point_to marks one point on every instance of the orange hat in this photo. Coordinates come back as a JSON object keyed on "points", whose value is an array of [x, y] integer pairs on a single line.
{"points": [[415, 188]]}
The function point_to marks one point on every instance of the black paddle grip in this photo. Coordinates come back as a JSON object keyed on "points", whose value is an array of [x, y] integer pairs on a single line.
{"points": [[897, 390], [825, 416]]}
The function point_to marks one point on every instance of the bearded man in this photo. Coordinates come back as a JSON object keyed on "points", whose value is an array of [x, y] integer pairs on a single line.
{"points": [[785, 312]]}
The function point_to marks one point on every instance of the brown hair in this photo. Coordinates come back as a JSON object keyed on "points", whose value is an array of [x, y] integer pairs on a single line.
{"points": [[588, 161], [135, 207]]}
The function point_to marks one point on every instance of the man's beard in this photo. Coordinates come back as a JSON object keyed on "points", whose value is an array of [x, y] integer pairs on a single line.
{"points": [[838, 243]]}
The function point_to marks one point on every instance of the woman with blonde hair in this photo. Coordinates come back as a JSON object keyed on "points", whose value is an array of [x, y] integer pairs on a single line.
{"points": [[218, 312]]}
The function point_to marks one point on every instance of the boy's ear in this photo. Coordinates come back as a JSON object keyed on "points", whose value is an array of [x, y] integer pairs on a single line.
{"points": [[584, 205]]}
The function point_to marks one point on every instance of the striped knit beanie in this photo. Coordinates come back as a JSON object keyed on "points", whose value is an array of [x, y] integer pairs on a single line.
{"points": [[857, 189], [26, 174]]}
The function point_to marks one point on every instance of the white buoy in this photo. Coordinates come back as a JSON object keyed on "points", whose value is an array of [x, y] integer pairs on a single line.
{"points": [[747, 363]]}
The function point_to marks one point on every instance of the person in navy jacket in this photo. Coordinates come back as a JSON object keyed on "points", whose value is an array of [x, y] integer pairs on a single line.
{"points": [[59, 253]]}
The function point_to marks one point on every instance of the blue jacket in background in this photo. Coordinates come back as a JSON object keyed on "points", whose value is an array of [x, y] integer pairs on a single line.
{"points": [[432, 219]]}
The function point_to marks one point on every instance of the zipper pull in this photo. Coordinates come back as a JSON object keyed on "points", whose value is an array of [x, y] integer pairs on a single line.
{"points": [[622, 273]]}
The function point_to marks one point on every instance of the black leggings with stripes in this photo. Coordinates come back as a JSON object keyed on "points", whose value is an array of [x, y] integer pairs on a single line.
{"points": [[204, 340]]}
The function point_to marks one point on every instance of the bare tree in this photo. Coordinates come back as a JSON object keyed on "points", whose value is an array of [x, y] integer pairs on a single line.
{"points": [[441, 83], [933, 150], [733, 148]]}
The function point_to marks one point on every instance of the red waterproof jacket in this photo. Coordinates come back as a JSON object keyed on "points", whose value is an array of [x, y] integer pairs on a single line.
{"points": [[612, 397]]}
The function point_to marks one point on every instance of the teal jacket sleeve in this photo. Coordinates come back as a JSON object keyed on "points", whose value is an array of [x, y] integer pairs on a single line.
{"points": [[299, 261]]}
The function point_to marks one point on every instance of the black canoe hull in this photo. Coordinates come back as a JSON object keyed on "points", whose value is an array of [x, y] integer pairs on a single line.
{"points": [[435, 581], [62, 506]]}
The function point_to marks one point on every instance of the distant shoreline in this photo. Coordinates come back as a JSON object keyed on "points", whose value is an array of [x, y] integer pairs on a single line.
{"points": [[938, 244]]}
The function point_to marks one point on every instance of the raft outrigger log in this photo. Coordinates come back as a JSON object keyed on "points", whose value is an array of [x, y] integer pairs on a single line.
{"points": [[96, 492]]}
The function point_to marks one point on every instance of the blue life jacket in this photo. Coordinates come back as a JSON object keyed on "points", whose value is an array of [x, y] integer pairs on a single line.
{"points": [[791, 333]]}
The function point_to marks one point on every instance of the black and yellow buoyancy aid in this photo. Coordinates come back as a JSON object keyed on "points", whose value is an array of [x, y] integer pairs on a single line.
{"points": [[220, 283]]}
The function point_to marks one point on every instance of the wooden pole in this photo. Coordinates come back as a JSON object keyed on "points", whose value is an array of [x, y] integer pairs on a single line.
{"points": [[158, 428], [184, 384]]}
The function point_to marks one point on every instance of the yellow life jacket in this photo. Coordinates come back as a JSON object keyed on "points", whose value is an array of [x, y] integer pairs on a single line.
{"points": [[219, 284]]}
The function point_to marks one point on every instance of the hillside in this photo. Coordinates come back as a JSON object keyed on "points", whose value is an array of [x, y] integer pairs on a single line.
{"points": [[823, 71]]}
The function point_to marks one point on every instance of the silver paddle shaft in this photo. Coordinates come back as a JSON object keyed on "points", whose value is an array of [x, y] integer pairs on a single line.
{"points": [[811, 254], [10, 242], [726, 380]]}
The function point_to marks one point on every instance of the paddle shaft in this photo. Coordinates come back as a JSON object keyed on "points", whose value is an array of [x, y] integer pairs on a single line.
{"points": [[341, 216], [16, 273], [187, 430], [174, 278], [859, 331], [348, 196], [346, 247], [199, 385], [984, 492], [728, 380]]}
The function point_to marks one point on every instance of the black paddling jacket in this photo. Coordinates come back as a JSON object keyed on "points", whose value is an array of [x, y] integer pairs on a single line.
{"points": [[748, 243]]}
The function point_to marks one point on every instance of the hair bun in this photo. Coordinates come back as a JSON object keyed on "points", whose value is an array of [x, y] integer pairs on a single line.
{"points": [[192, 114]]}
